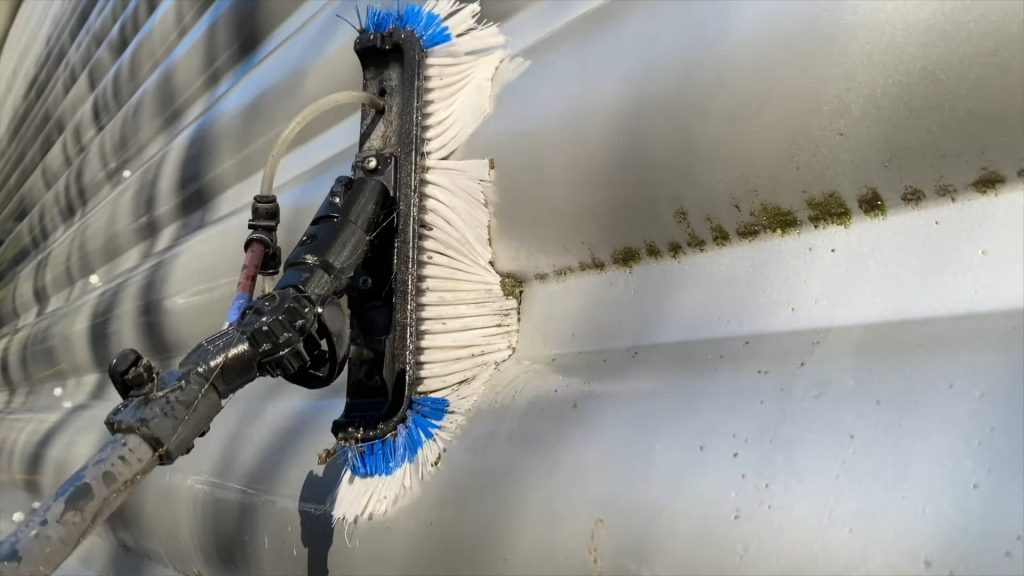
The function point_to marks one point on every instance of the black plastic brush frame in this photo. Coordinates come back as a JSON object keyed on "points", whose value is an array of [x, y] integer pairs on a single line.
{"points": [[382, 297]]}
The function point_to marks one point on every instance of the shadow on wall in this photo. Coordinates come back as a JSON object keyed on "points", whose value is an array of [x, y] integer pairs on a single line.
{"points": [[315, 518]]}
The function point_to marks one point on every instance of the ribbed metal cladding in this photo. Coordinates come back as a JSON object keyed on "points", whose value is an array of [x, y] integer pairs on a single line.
{"points": [[118, 105], [874, 370]]}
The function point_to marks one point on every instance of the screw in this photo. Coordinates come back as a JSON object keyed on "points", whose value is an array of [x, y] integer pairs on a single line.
{"points": [[365, 282], [370, 163]]}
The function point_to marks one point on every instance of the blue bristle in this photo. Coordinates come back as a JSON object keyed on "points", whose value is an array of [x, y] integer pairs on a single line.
{"points": [[385, 456], [428, 26]]}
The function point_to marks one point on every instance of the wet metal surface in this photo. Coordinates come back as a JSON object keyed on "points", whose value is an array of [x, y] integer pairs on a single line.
{"points": [[832, 400]]}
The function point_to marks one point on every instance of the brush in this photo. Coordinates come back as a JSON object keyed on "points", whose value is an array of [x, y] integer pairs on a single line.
{"points": [[465, 325]]}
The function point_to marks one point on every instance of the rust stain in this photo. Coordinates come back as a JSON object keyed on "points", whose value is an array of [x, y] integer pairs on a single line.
{"points": [[592, 550]]}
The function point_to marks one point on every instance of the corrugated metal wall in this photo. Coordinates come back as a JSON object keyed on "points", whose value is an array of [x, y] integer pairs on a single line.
{"points": [[132, 135]]}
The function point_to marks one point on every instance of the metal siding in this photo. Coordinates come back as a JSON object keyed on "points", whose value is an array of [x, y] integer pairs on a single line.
{"points": [[839, 400]]}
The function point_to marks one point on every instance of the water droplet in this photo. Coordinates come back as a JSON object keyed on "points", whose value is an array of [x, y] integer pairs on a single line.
{"points": [[126, 174], [18, 516], [94, 279], [984, 252], [58, 392], [700, 448], [36, 505], [66, 404], [735, 454], [974, 485]]}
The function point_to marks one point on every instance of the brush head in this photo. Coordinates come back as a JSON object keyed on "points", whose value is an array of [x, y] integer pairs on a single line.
{"points": [[461, 324]]}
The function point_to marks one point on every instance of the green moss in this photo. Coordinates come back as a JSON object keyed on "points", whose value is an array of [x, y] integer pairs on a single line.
{"points": [[512, 287], [563, 271], [594, 264], [749, 230], [541, 276], [652, 250], [626, 257], [912, 196], [778, 219], [871, 203], [719, 235], [945, 190], [768, 217], [829, 209], [693, 240], [682, 218], [987, 181], [675, 249]]}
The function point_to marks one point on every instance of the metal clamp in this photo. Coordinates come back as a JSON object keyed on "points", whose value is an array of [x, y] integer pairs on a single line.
{"points": [[266, 217]]}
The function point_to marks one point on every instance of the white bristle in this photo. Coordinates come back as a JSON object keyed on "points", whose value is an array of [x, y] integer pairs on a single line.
{"points": [[462, 297], [449, 325], [465, 324]]}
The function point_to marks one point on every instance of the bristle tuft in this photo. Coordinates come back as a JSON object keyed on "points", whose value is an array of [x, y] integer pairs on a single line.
{"points": [[427, 25]]}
